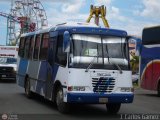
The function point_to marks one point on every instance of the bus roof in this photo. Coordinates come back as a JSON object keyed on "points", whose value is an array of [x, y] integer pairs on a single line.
{"points": [[152, 27], [36, 32], [85, 28]]}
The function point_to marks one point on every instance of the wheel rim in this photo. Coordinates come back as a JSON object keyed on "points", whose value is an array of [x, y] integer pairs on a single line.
{"points": [[59, 97]]}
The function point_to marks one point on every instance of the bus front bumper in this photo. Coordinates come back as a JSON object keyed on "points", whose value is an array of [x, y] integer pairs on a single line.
{"points": [[98, 98]]}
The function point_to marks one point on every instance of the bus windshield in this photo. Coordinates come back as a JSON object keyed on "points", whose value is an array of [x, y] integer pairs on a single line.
{"points": [[103, 51], [5, 60]]}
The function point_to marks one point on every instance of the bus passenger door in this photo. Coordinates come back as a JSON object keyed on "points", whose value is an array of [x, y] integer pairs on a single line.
{"points": [[50, 66]]}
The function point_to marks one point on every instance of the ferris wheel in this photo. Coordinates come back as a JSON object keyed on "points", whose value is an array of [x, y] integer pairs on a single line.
{"points": [[29, 15]]}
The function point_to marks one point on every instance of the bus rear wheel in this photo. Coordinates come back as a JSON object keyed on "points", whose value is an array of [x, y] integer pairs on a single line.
{"points": [[113, 108], [27, 88], [61, 105]]}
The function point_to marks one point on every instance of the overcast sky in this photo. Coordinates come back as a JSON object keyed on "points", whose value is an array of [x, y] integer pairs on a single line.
{"points": [[129, 15]]}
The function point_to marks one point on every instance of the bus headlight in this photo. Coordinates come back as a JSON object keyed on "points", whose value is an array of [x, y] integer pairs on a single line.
{"points": [[127, 89], [76, 88], [15, 69]]}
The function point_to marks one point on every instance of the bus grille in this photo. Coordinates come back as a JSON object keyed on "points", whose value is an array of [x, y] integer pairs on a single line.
{"points": [[103, 84]]}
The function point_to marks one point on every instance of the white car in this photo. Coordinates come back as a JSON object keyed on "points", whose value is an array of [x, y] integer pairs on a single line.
{"points": [[8, 68]]}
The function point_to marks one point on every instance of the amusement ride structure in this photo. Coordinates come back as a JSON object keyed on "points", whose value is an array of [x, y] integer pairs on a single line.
{"points": [[25, 16], [98, 12]]}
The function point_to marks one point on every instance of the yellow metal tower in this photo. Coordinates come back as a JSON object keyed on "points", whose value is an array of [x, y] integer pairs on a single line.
{"points": [[98, 12]]}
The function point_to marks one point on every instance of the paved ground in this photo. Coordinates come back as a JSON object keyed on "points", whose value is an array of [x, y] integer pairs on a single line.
{"points": [[14, 103]]}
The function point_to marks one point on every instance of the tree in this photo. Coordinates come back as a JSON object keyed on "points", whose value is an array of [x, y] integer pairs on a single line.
{"points": [[134, 62]]}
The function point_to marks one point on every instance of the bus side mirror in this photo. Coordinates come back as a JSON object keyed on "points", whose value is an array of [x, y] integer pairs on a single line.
{"points": [[66, 41]]}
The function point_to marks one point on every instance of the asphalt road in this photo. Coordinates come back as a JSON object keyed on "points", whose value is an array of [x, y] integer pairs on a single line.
{"points": [[14, 103]]}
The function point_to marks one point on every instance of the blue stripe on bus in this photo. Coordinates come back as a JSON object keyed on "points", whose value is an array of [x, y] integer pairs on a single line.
{"points": [[20, 80], [23, 64], [40, 86], [23, 67], [92, 30], [54, 72], [95, 97], [43, 71], [148, 54]]}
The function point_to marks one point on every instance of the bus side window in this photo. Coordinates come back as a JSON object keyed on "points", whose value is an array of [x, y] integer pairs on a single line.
{"points": [[36, 48], [27, 47], [61, 57], [44, 47], [52, 50], [31, 48], [21, 47]]}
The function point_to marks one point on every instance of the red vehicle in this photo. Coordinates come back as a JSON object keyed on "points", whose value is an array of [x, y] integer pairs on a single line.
{"points": [[150, 59]]}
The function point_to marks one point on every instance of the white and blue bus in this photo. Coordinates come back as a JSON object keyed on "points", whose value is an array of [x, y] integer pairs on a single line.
{"points": [[76, 64]]}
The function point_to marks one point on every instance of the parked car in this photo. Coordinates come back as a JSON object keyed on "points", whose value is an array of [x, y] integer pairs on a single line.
{"points": [[8, 67], [8, 62]]}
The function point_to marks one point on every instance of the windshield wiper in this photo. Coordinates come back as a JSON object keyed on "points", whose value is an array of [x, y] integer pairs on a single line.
{"points": [[91, 64], [119, 68]]}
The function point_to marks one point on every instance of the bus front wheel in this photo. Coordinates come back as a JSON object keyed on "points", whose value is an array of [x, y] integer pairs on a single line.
{"points": [[61, 105], [27, 88], [113, 108]]}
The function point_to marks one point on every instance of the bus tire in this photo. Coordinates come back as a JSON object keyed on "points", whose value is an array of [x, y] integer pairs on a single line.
{"points": [[61, 105], [113, 108], [158, 90], [28, 92]]}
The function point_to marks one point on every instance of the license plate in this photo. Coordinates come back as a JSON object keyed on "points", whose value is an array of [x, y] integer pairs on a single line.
{"points": [[3, 76], [103, 100]]}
